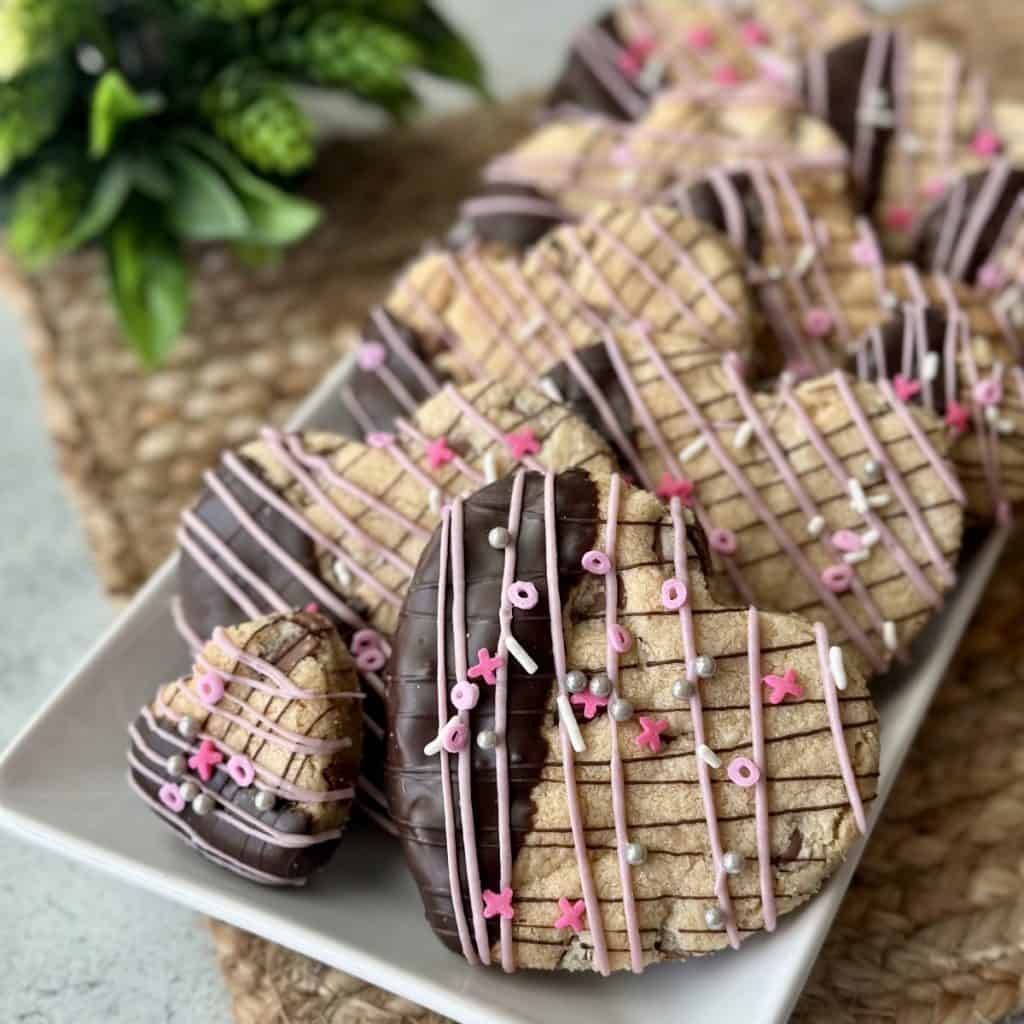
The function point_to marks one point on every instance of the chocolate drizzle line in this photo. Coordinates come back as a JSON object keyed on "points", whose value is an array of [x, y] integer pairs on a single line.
{"points": [[511, 215]]}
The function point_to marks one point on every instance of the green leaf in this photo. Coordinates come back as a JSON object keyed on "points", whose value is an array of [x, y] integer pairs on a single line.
{"points": [[446, 53], [108, 196], [148, 283], [203, 207], [114, 104], [150, 176]]}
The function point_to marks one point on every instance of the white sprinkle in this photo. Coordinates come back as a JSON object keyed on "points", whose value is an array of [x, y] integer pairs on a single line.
{"points": [[930, 365], [490, 468], [1006, 300], [572, 727], [889, 637], [869, 538], [708, 756], [816, 525], [531, 327], [879, 500], [1006, 425], [693, 449], [805, 259], [853, 557], [435, 501], [889, 300], [877, 97], [627, 179], [650, 78], [434, 746], [858, 500], [551, 389], [787, 379], [877, 117], [836, 664], [744, 432], [774, 274], [911, 143], [341, 573], [991, 413], [520, 653]]}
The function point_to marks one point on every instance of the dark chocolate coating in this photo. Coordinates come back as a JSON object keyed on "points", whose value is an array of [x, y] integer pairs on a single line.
{"points": [[704, 201], [577, 86], [934, 222], [844, 70], [281, 862], [414, 777], [510, 227]]}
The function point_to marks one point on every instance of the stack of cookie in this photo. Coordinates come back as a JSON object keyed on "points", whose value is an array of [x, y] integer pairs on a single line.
{"points": [[658, 459]]}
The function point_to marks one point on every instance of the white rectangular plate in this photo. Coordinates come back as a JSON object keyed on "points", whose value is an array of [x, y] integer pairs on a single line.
{"points": [[62, 784]]}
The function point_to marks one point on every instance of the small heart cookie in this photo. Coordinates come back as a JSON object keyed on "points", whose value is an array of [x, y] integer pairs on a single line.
{"points": [[593, 765], [252, 759]]}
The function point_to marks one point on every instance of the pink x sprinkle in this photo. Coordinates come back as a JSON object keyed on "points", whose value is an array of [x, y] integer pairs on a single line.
{"points": [[726, 74], [935, 188], [204, 760], [899, 218], [650, 733], [498, 904], [313, 608], [675, 487], [485, 667], [986, 143], [783, 686], [571, 916], [701, 37], [754, 33], [632, 59], [438, 453], [988, 391], [590, 703], [956, 416], [522, 442], [905, 387]]}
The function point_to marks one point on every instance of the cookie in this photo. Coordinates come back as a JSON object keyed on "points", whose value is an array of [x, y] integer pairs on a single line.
{"points": [[620, 61], [320, 518], [508, 318], [594, 766], [830, 498], [930, 356], [252, 759], [582, 161]]}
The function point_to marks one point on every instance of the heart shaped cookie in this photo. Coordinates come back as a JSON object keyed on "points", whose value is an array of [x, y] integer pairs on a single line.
{"points": [[830, 498], [593, 765], [481, 315], [252, 759]]}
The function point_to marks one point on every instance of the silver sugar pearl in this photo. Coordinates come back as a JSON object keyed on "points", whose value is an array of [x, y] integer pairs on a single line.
{"points": [[575, 681], [733, 862], [621, 709], [486, 739], [265, 800], [713, 917], [498, 537], [175, 765], [705, 666], [600, 685], [189, 791], [682, 689], [188, 727], [872, 470], [203, 804], [636, 853]]}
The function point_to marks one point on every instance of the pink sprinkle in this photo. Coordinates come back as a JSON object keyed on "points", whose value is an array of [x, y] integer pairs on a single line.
{"points": [[590, 702], [522, 442], [726, 74], [818, 322], [210, 688], [380, 439], [905, 387], [620, 638], [571, 916], [372, 355], [988, 391], [956, 416], [700, 37], [837, 577], [454, 736], [991, 277], [650, 733], [935, 188], [205, 759], [371, 660], [899, 218], [465, 695], [313, 608], [596, 562], [783, 686], [522, 594], [438, 453], [847, 540], [674, 594], [865, 253], [498, 904], [240, 768], [722, 540], [486, 665], [171, 798], [364, 640], [675, 487], [986, 143], [743, 772], [753, 33], [628, 64]]}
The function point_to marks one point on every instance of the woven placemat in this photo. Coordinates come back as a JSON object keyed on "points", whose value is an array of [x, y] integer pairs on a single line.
{"points": [[933, 926]]}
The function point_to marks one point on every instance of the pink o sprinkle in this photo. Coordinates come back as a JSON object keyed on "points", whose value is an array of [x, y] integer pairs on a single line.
{"points": [[726, 74], [722, 540], [899, 218], [674, 594], [865, 253], [380, 439], [847, 540], [241, 770], [370, 660], [372, 355], [986, 143], [935, 188], [991, 277], [818, 322], [837, 577], [210, 688], [465, 695], [596, 562], [171, 798], [988, 391], [522, 594], [454, 736], [700, 37], [743, 772], [620, 638], [753, 33], [364, 640]]}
